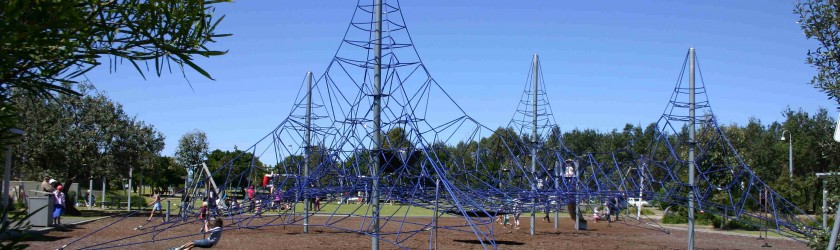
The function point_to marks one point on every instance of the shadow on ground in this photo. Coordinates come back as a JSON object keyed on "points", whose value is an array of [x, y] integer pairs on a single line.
{"points": [[498, 242]]}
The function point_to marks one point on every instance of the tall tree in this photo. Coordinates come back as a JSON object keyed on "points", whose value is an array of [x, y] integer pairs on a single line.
{"points": [[820, 20], [235, 163], [74, 137], [192, 150]]}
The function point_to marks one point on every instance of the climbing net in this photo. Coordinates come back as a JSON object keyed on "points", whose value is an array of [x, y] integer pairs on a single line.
{"points": [[436, 163]]}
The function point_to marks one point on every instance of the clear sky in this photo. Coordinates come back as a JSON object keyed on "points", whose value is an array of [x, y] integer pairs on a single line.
{"points": [[605, 63]]}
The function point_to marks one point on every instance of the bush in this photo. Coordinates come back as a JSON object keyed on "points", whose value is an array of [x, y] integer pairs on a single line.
{"points": [[708, 219], [679, 215], [735, 224], [645, 211]]}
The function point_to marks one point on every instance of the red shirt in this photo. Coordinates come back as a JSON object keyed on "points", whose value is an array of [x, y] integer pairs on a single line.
{"points": [[251, 193], [202, 213]]}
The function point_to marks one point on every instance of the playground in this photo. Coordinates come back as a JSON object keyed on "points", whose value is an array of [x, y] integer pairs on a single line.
{"points": [[601, 235], [391, 171]]}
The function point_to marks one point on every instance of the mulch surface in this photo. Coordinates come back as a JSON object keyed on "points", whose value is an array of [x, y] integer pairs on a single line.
{"points": [[601, 235]]}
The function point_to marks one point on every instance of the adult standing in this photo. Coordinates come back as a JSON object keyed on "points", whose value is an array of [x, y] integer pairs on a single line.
{"points": [[45, 185], [91, 200]]}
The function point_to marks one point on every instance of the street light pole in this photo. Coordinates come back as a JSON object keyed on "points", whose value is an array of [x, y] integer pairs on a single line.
{"points": [[790, 152]]}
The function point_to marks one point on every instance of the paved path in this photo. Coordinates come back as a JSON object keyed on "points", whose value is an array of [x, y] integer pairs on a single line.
{"points": [[67, 221]]}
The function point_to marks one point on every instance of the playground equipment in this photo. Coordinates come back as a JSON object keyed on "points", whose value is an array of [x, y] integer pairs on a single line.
{"points": [[373, 126]]}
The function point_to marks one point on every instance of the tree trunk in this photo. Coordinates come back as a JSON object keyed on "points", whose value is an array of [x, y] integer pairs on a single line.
{"points": [[69, 202]]}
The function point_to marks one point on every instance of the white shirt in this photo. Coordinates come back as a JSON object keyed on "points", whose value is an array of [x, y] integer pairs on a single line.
{"points": [[59, 197]]}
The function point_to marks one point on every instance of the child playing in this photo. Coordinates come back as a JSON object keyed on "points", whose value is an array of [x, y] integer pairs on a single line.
{"points": [[155, 207], [202, 212], [595, 215], [215, 235], [59, 205]]}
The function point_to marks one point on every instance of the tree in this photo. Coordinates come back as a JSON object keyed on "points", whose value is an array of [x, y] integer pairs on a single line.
{"points": [[192, 150], [235, 163], [72, 137], [165, 173], [820, 20], [48, 44]]}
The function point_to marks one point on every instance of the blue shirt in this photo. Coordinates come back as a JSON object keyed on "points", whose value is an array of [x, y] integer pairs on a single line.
{"points": [[215, 235]]}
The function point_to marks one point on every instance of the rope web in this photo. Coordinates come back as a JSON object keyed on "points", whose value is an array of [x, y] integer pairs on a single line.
{"points": [[446, 163]]}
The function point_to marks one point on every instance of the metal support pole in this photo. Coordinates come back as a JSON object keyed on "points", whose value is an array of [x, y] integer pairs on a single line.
{"points": [[7, 171], [691, 149], [556, 198], [128, 205], [90, 193], [833, 241], [168, 207], [790, 155], [104, 186], [307, 145], [824, 206], [534, 146], [377, 109], [577, 213], [639, 201], [435, 225]]}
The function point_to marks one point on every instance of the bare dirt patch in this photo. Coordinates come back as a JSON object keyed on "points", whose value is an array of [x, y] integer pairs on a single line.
{"points": [[617, 235]]}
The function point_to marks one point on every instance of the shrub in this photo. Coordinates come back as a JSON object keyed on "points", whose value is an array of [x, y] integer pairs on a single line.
{"points": [[645, 211], [736, 224]]}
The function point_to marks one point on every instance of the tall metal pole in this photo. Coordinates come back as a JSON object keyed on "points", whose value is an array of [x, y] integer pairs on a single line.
{"points": [[90, 194], [103, 191], [691, 149], [833, 240], [790, 155], [128, 204], [824, 206], [435, 225], [377, 109], [534, 146], [7, 171], [639, 201], [306, 150], [557, 190]]}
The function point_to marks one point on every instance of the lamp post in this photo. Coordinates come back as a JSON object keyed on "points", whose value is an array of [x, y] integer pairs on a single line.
{"points": [[790, 151]]}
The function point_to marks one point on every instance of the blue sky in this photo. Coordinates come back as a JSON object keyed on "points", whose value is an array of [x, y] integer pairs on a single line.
{"points": [[605, 63]]}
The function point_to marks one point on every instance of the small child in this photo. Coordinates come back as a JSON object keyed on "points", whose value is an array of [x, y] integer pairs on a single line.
{"points": [[606, 212], [595, 215], [155, 207], [59, 204], [317, 204], [202, 212]]}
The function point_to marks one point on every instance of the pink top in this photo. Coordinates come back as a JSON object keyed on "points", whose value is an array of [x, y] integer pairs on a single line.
{"points": [[59, 197]]}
